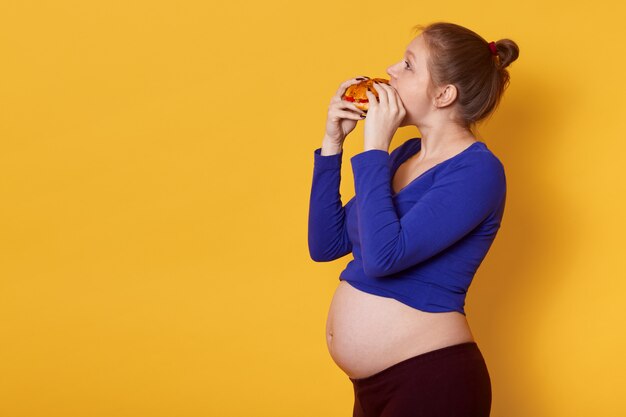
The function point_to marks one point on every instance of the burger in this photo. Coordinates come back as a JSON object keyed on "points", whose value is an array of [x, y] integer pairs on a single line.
{"points": [[356, 92]]}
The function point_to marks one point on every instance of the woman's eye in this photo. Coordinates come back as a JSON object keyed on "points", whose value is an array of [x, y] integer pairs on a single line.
{"points": [[407, 65]]}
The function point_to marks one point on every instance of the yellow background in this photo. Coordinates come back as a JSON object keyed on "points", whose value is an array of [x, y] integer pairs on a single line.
{"points": [[155, 167]]}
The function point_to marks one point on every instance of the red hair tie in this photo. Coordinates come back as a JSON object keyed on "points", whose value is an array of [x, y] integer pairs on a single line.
{"points": [[492, 46]]}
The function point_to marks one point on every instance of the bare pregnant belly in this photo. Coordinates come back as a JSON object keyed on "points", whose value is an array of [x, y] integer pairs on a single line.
{"points": [[367, 333]]}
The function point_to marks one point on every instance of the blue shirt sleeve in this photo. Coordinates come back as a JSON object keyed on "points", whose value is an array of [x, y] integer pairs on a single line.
{"points": [[463, 194], [327, 234]]}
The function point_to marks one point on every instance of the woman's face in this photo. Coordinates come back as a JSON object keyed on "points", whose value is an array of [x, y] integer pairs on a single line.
{"points": [[410, 78]]}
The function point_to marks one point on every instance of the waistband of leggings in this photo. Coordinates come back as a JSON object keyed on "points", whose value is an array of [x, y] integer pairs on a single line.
{"points": [[422, 357]]}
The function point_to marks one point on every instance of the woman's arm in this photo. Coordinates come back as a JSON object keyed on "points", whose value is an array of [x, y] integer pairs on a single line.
{"points": [[467, 192], [327, 234]]}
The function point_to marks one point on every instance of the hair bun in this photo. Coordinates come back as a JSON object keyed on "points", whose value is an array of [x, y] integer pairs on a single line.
{"points": [[508, 51]]}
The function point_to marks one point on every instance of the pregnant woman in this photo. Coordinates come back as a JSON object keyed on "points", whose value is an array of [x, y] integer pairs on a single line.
{"points": [[422, 220]]}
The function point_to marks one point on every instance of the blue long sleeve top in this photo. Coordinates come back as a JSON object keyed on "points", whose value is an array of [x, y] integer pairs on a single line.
{"points": [[421, 246]]}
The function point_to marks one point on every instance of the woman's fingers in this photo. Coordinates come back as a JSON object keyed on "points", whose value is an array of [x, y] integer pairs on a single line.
{"points": [[373, 103], [399, 106], [350, 105], [382, 94], [338, 103], [390, 96], [346, 114], [346, 106], [344, 85], [396, 98]]}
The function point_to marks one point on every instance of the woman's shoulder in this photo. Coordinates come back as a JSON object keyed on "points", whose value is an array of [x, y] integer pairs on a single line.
{"points": [[477, 165], [478, 154]]}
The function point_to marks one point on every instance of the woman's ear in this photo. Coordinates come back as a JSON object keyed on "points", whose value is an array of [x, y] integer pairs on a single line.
{"points": [[445, 96]]}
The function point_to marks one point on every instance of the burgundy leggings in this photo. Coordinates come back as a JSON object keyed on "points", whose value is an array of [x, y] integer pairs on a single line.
{"points": [[449, 382]]}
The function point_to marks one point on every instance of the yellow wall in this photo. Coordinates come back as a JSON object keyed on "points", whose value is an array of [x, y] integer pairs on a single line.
{"points": [[155, 167]]}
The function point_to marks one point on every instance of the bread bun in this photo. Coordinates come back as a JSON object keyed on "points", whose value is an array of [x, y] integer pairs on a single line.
{"points": [[356, 92]]}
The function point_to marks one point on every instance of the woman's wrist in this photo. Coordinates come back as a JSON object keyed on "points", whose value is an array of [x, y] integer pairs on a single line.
{"points": [[331, 146]]}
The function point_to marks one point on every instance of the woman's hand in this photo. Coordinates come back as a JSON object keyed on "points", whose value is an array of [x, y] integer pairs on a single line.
{"points": [[383, 118], [342, 114]]}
